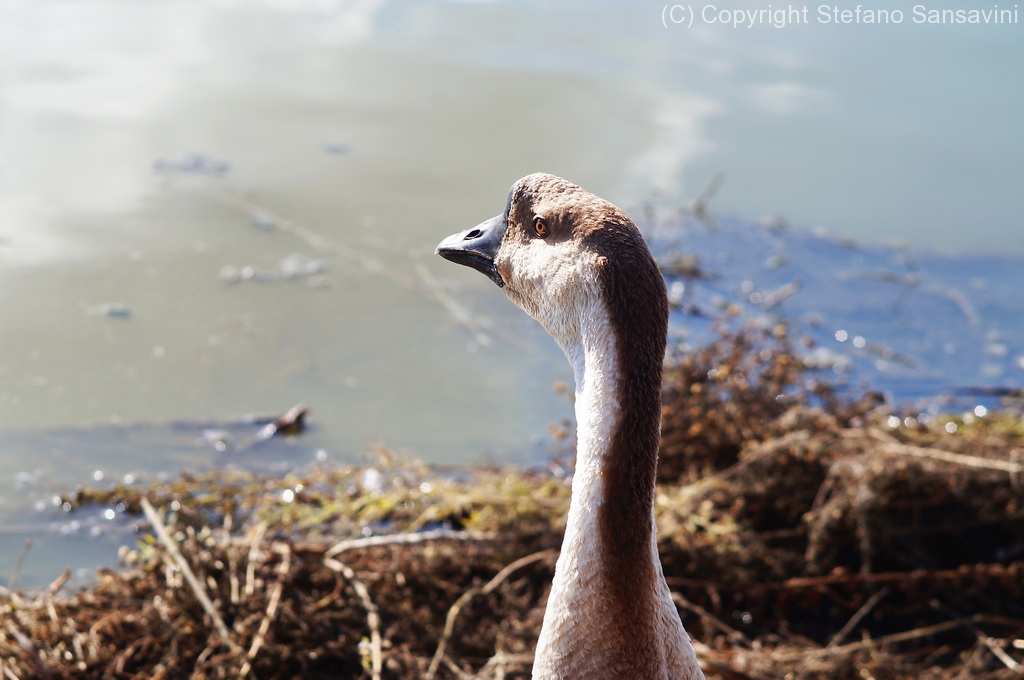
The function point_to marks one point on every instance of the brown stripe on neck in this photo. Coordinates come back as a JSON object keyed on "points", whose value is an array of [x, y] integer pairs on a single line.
{"points": [[634, 295]]}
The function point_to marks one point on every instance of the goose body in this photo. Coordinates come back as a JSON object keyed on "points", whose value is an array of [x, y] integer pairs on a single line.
{"points": [[578, 265]]}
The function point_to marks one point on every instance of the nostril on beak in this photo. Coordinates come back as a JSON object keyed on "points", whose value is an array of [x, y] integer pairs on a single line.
{"points": [[475, 233]]}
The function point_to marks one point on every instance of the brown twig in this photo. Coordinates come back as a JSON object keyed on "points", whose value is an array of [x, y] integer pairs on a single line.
{"points": [[372, 615], [893, 446], [992, 644], [255, 539], [864, 610], [995, 570], [18, 562], [404, 539], [699, 206], [268, 616], [31, 653], [995, 646], [196, 585], [906, 636], [500, 660], [731, 633], [453, 612], [58, 582]]}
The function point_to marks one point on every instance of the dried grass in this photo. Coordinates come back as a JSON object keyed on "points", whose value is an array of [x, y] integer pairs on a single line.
{"points": [[802, 537]]}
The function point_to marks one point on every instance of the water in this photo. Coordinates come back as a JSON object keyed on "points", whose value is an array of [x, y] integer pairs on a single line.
{"points": [[930, 331], [153, 153]]}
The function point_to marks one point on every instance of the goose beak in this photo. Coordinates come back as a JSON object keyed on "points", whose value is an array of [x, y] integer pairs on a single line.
{"points": [[477, 247]]}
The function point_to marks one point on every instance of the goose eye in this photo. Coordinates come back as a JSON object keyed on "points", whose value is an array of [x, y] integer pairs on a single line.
{"points": [[540, 227]]}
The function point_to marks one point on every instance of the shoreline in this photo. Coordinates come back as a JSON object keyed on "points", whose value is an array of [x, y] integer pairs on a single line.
{"points": [[804, 536]]}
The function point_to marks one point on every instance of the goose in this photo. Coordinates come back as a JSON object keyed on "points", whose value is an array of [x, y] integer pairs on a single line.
{"points": [[578, 265]]}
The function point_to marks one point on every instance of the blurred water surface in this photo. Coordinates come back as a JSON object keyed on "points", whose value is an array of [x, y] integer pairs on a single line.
{"points": [[210, 209]]}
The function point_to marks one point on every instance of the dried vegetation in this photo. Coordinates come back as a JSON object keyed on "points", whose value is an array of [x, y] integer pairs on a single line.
{"points": [[803, 536]]}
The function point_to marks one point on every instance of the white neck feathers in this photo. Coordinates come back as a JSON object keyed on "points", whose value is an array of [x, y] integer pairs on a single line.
{"points": [[583, 633]]}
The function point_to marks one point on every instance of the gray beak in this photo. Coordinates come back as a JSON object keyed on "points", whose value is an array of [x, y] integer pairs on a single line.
{"points": [[477, 247]]}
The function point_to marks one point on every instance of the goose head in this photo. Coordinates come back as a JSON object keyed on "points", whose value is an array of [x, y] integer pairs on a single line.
{"points": [[556, 251]]}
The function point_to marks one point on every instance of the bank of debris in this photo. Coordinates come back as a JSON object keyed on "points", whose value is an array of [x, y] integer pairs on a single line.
{"points": [[803, 536]]}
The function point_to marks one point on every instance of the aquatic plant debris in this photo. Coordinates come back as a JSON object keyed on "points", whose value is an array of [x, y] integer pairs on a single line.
{"points": [[808, 536], [117, 310], [915, 324], [192, 163], [290, 268]]}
